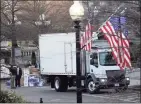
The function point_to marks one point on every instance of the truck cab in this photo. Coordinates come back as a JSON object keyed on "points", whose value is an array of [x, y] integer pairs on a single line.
{"points": [[104, 71]]}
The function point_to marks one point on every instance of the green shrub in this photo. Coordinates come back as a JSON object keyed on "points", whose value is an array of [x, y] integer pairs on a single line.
{"points": [[10, 97]]}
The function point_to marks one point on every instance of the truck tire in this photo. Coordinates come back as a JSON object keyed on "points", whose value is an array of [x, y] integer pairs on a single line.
{"points": [[91, 86], [60, 84]]}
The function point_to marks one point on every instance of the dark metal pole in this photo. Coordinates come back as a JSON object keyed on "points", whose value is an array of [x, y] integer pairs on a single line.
{"points": [[14, 44], [13, 35], [119, 50], [121, 43], [78, 71]]}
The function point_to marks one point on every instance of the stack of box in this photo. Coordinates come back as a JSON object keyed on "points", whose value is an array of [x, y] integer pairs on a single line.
{"points": [[26, 74], [22, 81], [29, 76], [34, 71]]}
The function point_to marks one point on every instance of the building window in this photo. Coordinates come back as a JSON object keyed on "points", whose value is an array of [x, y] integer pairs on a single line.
{"points": [[30, 53]]}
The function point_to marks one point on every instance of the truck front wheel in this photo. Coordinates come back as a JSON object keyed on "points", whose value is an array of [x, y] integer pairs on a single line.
{"points": [[91, 86], [60, 84]]}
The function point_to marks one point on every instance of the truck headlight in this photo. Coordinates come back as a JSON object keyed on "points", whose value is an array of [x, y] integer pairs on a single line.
{"points": [[127, 79], [103, 80]]}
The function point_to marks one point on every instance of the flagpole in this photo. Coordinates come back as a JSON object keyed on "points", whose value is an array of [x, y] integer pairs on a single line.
{"points": [[111, 15], [102, 25], [120, 45]]}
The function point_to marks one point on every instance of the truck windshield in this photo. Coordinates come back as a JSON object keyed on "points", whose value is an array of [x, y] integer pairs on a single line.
{"points": [[106, 59]]}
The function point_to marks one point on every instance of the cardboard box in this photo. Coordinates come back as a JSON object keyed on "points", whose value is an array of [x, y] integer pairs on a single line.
{"points": [[22, 81], [26, 72], [34, 71]]}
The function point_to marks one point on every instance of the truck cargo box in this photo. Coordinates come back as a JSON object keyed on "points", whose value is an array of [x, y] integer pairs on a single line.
{"points": [[57, 54]]}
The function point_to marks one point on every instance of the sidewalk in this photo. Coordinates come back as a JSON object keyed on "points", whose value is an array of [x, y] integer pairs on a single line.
{"points": [[135, 87], [135, 82]]}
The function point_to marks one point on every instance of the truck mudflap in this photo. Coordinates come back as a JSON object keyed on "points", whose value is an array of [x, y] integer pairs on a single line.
{"points": [[105, 83]]}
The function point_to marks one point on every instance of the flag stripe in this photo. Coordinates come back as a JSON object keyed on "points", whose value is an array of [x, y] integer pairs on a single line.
{"points": [[110, 42], [121, 54], [87, 35]]}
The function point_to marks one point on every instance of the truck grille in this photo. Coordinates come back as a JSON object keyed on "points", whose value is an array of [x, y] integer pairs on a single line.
{"points": [[115, 76]]}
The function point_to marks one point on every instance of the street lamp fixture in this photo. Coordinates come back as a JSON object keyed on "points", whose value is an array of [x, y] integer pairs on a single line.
{"points": [[77, 13], [95, 10], [123, 11], [42, 22], [42, 17]]}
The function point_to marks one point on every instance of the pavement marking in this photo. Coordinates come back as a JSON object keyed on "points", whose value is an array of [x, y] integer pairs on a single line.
{"points": [[106, 97]]}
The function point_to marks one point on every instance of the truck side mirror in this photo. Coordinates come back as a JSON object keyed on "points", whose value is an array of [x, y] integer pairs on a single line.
{"points": [[95, 63], [92, 62], [91, 56]]}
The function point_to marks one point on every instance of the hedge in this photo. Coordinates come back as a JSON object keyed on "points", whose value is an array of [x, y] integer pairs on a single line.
{"points": [[10, 97]]}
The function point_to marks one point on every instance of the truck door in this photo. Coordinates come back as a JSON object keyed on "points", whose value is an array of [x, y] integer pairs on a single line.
{"points": [[87, 61], [83, 62], [94, 62], [68, 58]]}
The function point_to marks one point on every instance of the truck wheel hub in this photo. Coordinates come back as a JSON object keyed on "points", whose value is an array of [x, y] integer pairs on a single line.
{"points": [[57, 84], [91, 86]]}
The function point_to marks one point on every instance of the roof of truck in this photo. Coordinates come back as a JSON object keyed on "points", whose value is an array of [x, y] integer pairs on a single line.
{"points": [[54, 34], [100, 44]]}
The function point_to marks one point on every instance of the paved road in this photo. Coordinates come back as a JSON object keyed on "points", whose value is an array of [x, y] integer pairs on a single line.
{"points": [[33, 94]]}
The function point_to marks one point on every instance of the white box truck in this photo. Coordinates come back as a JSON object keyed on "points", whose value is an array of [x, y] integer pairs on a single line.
{"points": [[58, 64]]}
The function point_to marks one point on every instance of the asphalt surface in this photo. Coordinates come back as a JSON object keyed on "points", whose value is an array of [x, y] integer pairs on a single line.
{"points": [[33, 94]]}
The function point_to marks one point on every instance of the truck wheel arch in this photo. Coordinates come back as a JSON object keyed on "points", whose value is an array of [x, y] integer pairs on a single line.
{"points": [[91, 75]]}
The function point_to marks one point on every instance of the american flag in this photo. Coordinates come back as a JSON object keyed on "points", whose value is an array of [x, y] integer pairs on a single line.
{"points": [[86, 36], [116, 40]]}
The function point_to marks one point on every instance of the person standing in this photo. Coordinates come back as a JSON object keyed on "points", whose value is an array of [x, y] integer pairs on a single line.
{"points": [[18, 77], [13, 76]]}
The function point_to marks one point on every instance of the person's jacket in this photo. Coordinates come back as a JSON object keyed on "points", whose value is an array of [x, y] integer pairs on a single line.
{"points": [[20, 72], [13, 70]]}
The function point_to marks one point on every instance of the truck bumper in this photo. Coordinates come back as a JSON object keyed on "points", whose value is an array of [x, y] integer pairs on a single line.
{"points": [[106, 84]]}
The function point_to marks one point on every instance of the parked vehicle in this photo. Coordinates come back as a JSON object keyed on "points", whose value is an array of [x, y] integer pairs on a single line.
{"points": [[58, 64]]}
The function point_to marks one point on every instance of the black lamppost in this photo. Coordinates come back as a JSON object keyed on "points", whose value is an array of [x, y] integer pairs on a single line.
{"points": [[77, 13]]}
